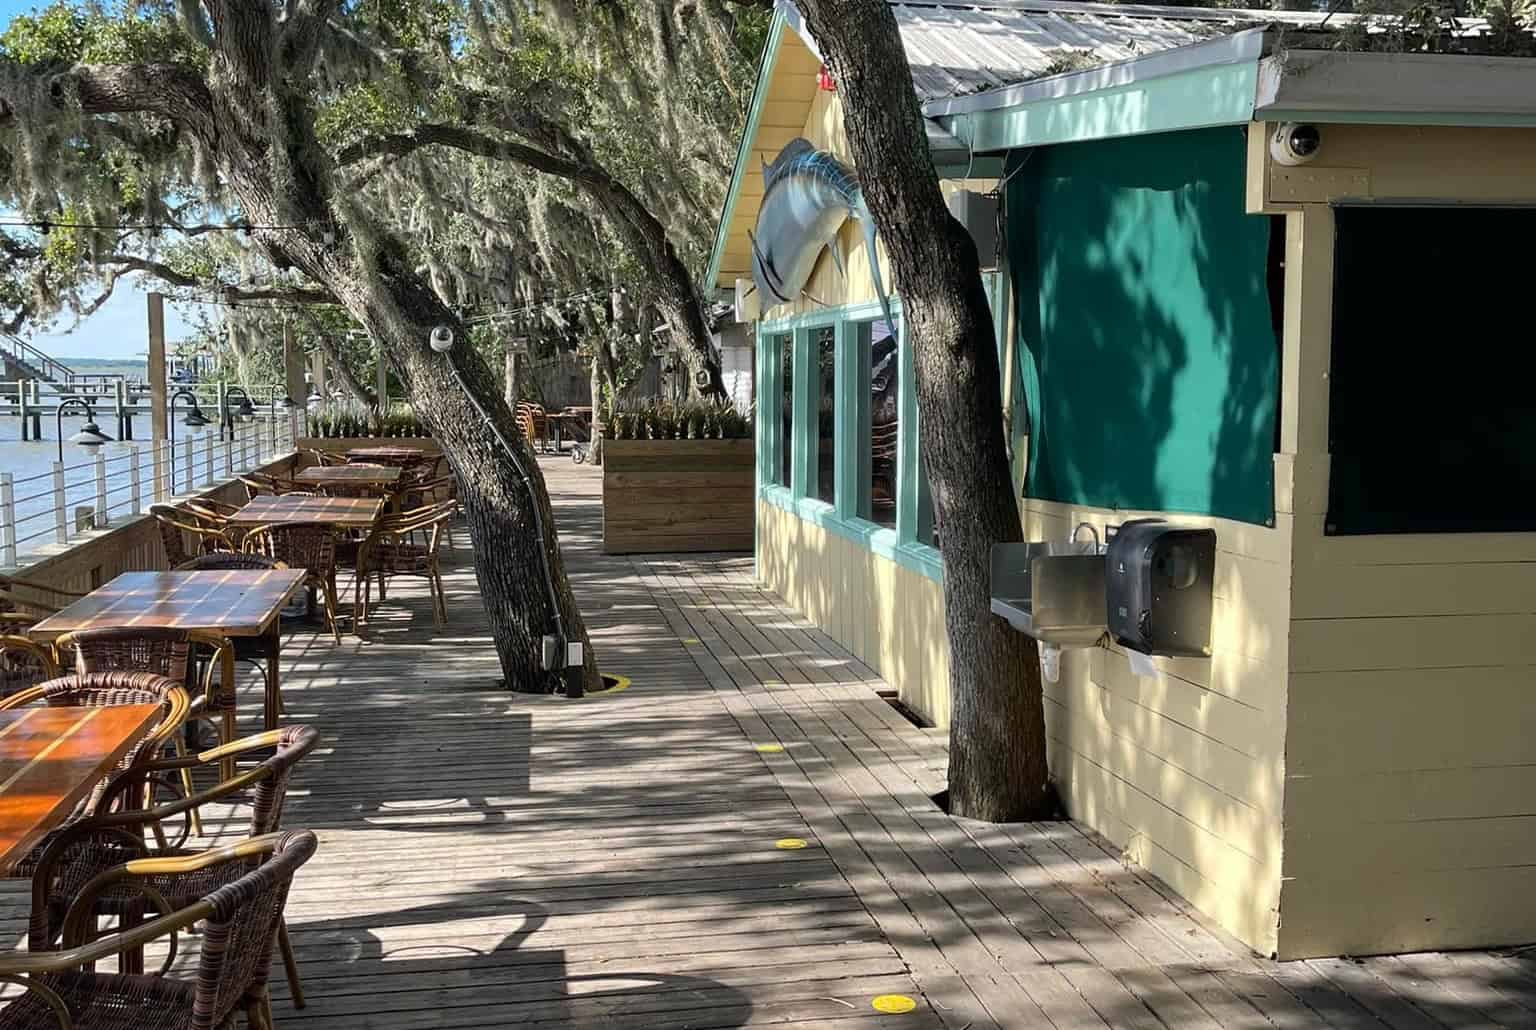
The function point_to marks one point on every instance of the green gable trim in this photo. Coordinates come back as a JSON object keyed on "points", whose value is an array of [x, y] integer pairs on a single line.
{"points": [[1195, 98], [744, 148], [1148, 351]]}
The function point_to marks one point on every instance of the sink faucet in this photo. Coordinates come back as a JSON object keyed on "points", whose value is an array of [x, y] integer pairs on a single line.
{"points": [[1091, 528]]}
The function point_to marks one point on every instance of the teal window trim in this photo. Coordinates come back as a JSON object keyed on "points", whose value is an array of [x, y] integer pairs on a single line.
{"points": [[845, 416], [850, 326]]}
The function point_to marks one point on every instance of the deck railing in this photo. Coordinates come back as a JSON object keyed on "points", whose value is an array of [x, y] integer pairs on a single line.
{"points": [[53, 506]]}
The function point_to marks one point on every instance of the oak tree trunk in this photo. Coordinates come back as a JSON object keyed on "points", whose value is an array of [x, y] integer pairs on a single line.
{"points": [[997, 767], [337, 363]]}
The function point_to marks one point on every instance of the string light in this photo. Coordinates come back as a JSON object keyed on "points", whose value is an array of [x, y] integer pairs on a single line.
{"points": [[45, 225]]}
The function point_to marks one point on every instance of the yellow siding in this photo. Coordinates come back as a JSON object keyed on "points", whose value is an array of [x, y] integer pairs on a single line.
{"points": [[889, 617], [1185, 770], [1409, 763]]}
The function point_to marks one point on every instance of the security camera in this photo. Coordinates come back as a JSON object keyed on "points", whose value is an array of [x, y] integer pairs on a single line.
{"points": [[1294, 144], [441, 339]]}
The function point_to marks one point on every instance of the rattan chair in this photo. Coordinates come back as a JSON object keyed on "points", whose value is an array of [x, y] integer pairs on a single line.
{"points": [[89, 846], [164, 652], [258, 483], [99, 690], [23, 662], [20, 595], [391, 550], [310, 546], [176, 525], [240, 921], [320, 457]]}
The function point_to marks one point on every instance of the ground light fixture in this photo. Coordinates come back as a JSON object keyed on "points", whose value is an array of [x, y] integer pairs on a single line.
{"points": [[90, 435], [440, 339]]}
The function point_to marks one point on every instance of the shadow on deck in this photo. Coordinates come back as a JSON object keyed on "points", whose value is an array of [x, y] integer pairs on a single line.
{"points": [[498, 860]]}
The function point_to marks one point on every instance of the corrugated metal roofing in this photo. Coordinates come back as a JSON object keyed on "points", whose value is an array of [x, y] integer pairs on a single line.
{"points": [[961, 48]]}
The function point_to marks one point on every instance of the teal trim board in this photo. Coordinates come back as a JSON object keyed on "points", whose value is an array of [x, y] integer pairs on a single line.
{"points": [[1195, 98], [744, 148], [1149, 356]]}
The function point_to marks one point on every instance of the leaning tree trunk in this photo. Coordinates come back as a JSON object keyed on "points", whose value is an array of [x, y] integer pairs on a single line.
{"points": [[997, 768], [503, 510]]}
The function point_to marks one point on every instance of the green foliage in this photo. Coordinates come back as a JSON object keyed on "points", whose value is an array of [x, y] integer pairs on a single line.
{"points": [[663, 420], [350, 420]]}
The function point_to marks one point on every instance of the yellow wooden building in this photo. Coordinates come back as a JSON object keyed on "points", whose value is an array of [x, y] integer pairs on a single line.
{"points": [[1249, 283]]}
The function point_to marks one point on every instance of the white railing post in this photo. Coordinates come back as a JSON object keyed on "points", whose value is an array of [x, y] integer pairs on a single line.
{"points": [[162, 468], [207, 457], [101, 490], [135, 502], [191, 458], [229, 453], [60, 516], [7, 519]]}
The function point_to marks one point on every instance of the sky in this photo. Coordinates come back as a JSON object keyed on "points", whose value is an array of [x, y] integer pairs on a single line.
{"points": [[120, 329]]}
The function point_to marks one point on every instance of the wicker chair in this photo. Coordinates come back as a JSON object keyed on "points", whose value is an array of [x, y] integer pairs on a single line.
{"points": [[258, 483], [390, 551], [176, 526], [20, 595], [310, 546], [240, 921], [168, 653], [99, 690], [319, 457], [23, 662], [90, 846]]}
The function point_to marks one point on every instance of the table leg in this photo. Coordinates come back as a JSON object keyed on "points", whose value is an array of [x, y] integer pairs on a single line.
{"points": [[274, 642]]}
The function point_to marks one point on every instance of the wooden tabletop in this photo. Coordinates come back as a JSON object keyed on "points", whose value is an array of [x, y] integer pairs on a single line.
{"points": [[50, 758], [341, 512], [236, 603], [349, 474], [406, 455]]}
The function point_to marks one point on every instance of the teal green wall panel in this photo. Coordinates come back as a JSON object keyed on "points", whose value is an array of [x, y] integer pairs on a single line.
{"points": [[1148, 356]]}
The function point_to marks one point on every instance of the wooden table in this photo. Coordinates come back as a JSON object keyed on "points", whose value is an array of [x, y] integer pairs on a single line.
{"points": [[326, 475], [341, 512], [50, 758], [236, 603], [405, 457]]}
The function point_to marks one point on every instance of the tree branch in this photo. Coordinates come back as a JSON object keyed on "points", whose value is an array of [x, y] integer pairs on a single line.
{"points": [[165, 273], [169, 90]]}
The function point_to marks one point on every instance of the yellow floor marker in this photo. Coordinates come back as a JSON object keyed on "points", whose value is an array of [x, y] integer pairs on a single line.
{"points": [[789, 844], [769, 749], [893, 1003], [690, 640]]}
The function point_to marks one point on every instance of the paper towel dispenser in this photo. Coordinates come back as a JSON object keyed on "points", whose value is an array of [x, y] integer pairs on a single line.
{"points": [[1158, 586]]}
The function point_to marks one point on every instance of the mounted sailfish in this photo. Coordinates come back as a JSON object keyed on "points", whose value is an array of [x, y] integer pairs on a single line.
{"points": [[807, 196]]}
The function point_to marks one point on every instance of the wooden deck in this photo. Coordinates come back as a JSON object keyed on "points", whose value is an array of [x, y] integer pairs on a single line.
{"points": [[498, 860]]}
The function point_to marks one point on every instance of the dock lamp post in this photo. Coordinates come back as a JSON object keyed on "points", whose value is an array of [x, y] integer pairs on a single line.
{"points": [[195, 419], [90, 435], [245, 412], [283, 404], [556, 652]]}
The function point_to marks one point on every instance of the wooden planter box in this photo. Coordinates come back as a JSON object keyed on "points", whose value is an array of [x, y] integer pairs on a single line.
{"points": [[663, 496]]}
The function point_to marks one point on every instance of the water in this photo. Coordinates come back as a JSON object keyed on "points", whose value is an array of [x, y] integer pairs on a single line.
{"points": [[31, 463]]}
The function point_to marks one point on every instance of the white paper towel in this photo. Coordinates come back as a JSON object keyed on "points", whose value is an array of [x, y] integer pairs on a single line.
{"points": [[1142, 664]]}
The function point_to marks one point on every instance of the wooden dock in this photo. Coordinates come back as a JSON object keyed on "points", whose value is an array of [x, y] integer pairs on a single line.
{"points": [[742, 837]]}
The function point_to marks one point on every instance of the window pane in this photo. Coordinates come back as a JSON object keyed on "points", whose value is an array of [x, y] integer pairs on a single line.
{"points": [[883, 394], [786, 406], [825, 487]]}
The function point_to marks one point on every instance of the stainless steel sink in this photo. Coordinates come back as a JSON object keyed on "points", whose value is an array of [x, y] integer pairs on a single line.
{"points": [[1052, 591]]}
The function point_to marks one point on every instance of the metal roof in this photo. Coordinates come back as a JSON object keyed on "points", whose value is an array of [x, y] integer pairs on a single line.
{"points": [[960, 48]]}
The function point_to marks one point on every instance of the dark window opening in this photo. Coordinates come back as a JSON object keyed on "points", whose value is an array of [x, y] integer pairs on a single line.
{"points": [[1432, 407], [884, 399], [825, 486], [787, 407]]}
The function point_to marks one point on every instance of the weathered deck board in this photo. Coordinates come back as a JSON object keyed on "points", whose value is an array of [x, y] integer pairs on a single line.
{"points": [[497, 860]]}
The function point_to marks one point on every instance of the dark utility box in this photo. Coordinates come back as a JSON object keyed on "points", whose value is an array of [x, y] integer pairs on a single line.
{"points": [[1158, 583]]}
